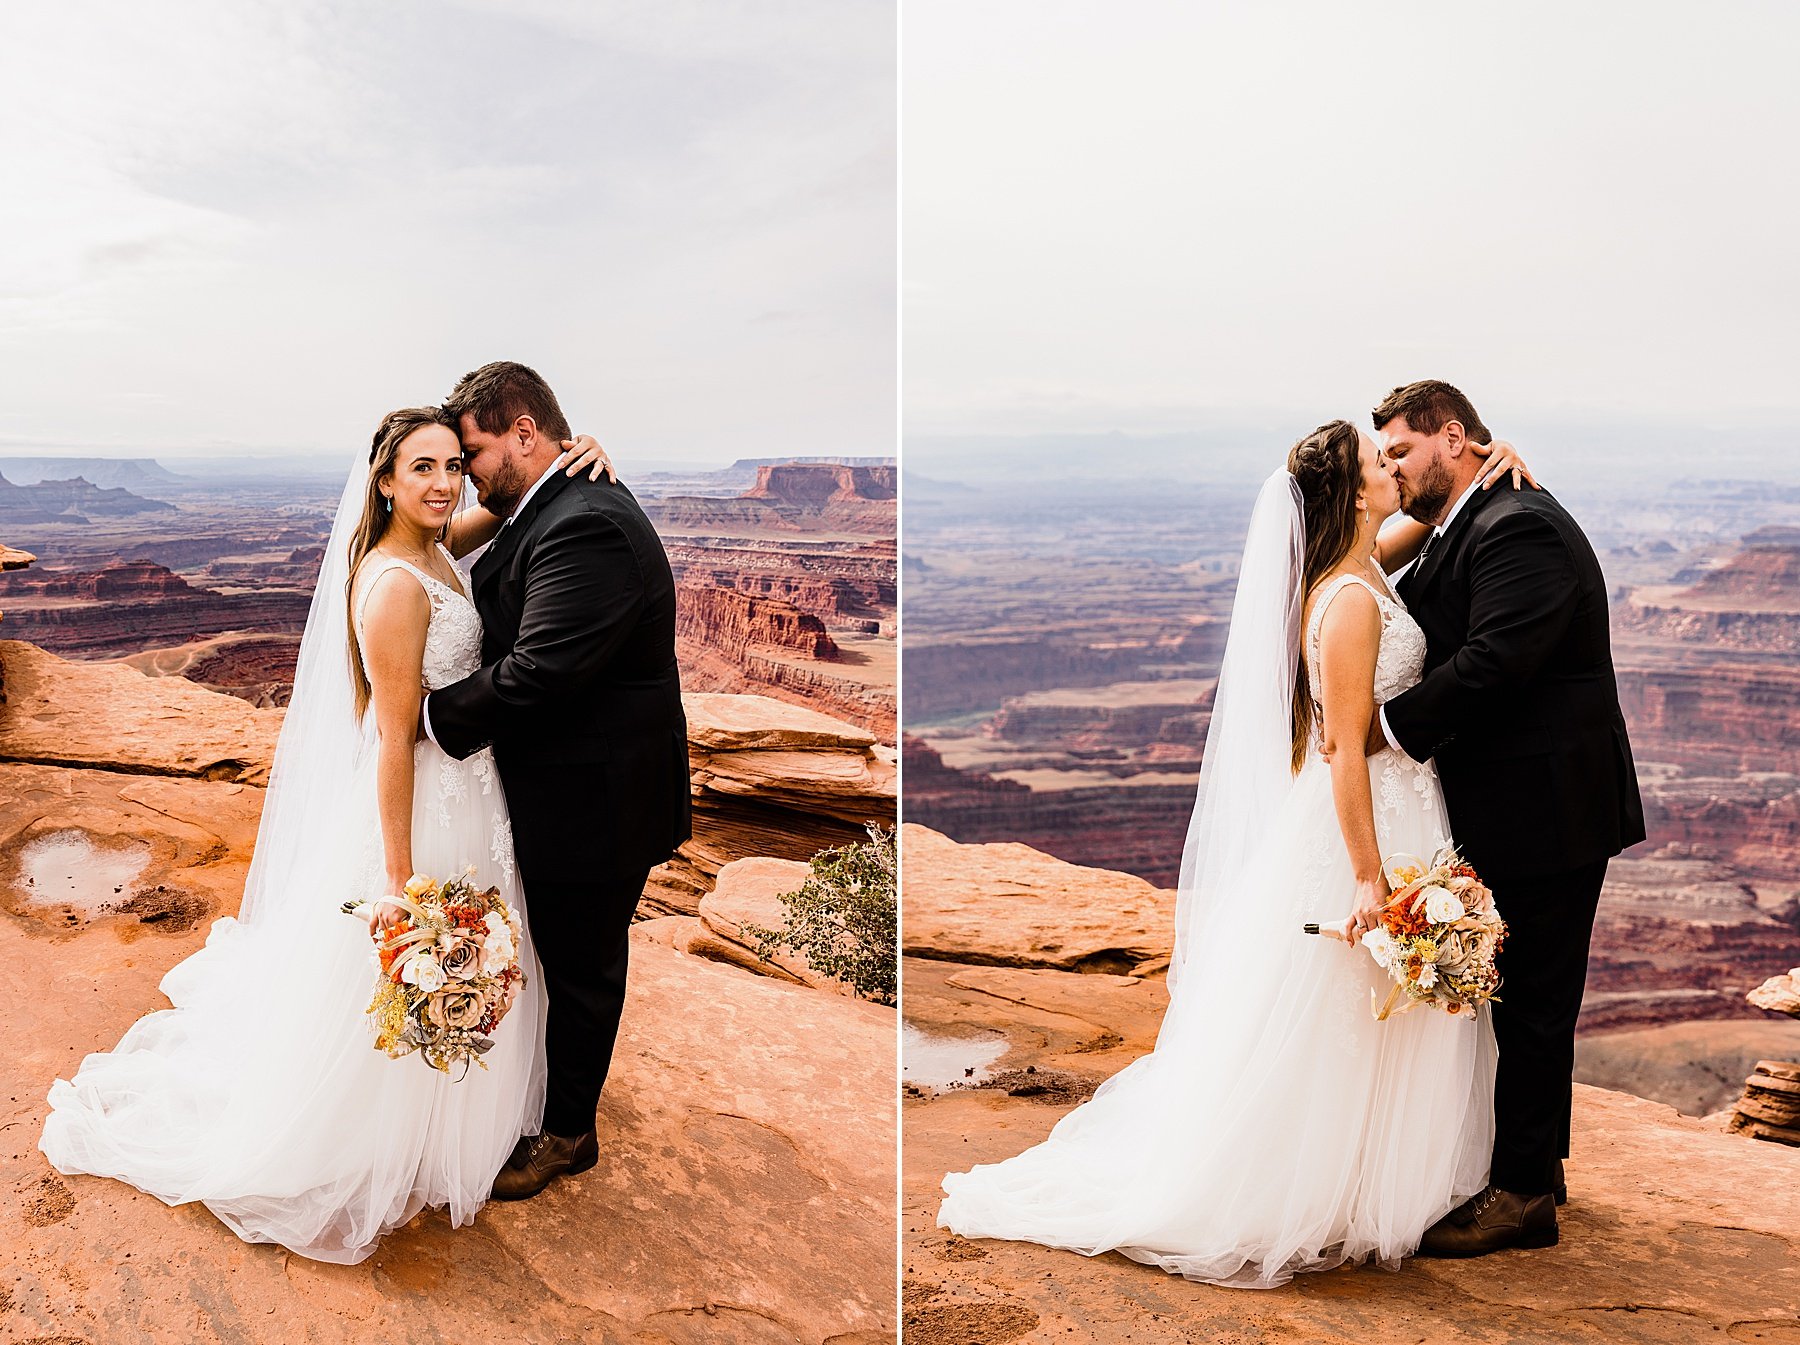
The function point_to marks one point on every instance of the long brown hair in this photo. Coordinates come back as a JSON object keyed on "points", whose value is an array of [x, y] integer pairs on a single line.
{"points": [[384, 451], [1328, 466]]}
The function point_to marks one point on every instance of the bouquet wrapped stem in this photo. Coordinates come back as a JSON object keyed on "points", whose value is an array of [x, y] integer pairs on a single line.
{"points": [[1437, 939]]}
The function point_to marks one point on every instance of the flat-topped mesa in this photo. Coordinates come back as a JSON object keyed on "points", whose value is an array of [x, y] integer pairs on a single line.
{"points": [[1750, 603], [45, 501], [1768, 568], [120, 580], [814, 485], [804, 497]]}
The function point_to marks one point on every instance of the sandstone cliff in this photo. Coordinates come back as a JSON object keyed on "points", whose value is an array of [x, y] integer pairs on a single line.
{"points": [[1675, 1231], [733, 623], [722, 1210]]}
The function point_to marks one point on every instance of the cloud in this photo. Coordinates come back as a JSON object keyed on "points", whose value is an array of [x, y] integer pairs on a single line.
{"points": [[1134, 216], [262, 225]]}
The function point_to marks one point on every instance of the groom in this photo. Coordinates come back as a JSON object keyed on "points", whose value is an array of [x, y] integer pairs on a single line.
{"points": [[1520, 710], [581, 701]]}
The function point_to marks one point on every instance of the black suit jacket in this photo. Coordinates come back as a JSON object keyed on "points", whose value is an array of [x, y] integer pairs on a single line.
{"points": [[1518, 703], [579, 694]]}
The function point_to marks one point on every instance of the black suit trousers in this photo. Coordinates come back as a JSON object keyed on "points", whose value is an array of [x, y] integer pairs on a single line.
{"points": [[1543, 969], [583, 950]]}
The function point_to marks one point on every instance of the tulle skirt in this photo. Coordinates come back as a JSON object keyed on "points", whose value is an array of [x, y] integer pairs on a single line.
{"points": [[260, 1092], [1277, 1127]]}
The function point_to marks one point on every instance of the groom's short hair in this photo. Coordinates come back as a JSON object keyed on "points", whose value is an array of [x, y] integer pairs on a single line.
{"points": [[1427, 406], [497, 394]]}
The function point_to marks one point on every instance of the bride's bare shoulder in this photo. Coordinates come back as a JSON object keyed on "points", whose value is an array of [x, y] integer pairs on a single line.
{"points": [[379, 597]]}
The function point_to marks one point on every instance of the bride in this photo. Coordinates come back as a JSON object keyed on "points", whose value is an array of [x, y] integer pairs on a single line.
{"points": [[260, 1092], [1277, 1127]]}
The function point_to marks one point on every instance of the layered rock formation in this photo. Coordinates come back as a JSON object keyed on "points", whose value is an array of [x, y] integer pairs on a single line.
{"points": [[770, 779], [810, 497], [130, 606], [734, 623], [1770, 1106], [836, 581], [1647, 1188], [747, 897], [789, 589], [1750, 603], [720, 1211], [1089, 812]]}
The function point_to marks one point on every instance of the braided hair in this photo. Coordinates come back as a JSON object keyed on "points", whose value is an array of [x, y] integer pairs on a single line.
{"points": [[1328, 466]]}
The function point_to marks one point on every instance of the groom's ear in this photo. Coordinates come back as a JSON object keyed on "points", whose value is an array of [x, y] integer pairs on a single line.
{"points": [[524, 431], [1455, 438]]}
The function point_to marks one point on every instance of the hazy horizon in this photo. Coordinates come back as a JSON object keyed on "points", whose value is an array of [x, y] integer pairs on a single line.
{"points": [[1247, 447]]}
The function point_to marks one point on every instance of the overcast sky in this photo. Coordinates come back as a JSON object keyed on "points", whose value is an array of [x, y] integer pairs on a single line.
{"points": [[1139, 216], [233, 226]]}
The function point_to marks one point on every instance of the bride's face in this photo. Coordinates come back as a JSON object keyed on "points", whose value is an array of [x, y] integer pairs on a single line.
{"points": [[1380, 492], [427, 479]]}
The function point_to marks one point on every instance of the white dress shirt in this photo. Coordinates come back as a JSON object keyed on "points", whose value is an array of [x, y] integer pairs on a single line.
{"points": [[1437, 534], [532, 489]]}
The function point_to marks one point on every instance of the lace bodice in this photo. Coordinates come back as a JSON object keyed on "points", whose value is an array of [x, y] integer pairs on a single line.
{"points": [[1400, 658], [452, 640]]}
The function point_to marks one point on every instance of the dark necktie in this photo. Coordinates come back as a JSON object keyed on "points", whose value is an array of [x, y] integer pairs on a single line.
{"points": [[1424, 551]]}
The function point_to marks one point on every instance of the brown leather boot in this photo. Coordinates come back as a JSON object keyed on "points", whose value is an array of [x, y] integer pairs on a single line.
{"points": [[1490, 1222], [545, 1156]]}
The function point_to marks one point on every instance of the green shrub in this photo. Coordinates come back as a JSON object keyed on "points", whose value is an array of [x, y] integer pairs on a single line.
{"points": [[843, 920]]}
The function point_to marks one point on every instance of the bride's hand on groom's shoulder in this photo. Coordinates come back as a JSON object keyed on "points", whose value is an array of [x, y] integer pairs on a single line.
{"points": [[585, 451], [1502, 458]]}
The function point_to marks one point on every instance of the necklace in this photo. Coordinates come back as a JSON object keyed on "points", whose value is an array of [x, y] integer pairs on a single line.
{"points": [[422, 558]]}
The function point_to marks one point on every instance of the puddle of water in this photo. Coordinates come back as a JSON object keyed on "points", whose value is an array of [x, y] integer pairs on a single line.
{"points": [[65, 868], [938, 1062]]}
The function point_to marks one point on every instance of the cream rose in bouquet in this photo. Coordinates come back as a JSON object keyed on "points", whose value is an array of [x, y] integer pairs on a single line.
{"points": [[1438, 938], [448, 971]]}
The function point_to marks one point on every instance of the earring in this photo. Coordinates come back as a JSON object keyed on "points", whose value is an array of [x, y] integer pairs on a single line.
{"points": [[1365, 511], [390, 504]]}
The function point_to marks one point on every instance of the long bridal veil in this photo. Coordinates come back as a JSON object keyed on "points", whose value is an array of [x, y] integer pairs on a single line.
{"points": [[1244, 769], [260, 1092]]}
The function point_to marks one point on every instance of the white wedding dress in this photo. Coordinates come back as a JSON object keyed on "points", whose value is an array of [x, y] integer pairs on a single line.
{"points": [[1277, 1127], [260, 1093]]}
